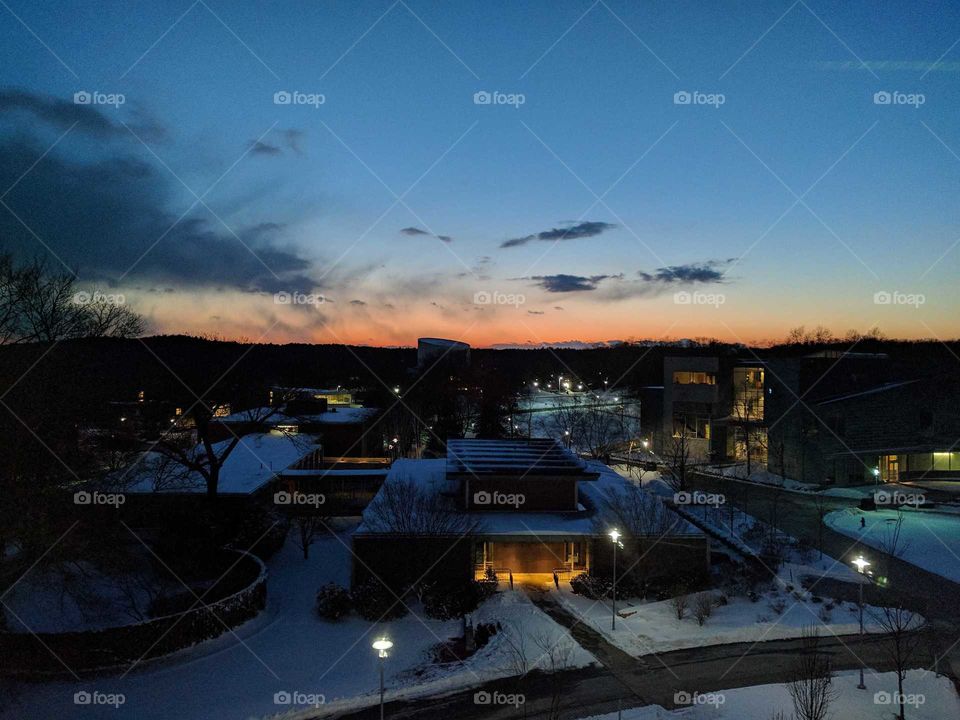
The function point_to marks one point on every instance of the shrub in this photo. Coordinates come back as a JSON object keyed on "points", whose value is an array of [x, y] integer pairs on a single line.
{"points": [[702, 607], [333, 601], [374, 601], [679, 604], [591, 586], [445, 601]]}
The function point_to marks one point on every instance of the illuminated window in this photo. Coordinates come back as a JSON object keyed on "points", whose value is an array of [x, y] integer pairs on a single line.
{"points": [[140, 396], [691, 425], [691, 377]]}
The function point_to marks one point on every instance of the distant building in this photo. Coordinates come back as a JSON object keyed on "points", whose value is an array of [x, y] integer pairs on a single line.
{"points": [[431, 350], [855, 418], [516, 508], [717, 405]]}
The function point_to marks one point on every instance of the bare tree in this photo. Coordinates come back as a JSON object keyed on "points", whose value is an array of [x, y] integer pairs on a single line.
{"points": [[892, 542], [555, 657], [37, 305], [308, 528], [901, 641], [810, 686], [208, 457], [676, 455], [702, 607], [403, 506]]}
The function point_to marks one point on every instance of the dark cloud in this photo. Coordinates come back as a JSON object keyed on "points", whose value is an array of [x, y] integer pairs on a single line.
{"points": [[111, 215], [570, 283], [710, 271], [357, 302], [415, 231], [534, 312], [575, 231], [90, 119], [291, 139], [261, 148]]}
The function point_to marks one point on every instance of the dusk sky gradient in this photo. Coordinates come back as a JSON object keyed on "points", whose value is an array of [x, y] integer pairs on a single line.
{"points": [[585, 210]]}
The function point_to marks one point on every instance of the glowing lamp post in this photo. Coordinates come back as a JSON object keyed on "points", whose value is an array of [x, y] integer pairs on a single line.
{"points": [[381, 646], [861, 564], [615, 536]]}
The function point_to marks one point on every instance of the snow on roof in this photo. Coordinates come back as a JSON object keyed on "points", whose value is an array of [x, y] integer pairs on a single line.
{"points": [[336, 415], [254, 462], [431, 477], [520, 457]]}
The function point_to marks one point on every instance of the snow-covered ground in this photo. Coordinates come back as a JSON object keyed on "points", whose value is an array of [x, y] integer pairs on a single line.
{"points": [[760, 475], [645, 627], [934, 696], [929, 540], [288, 648]]}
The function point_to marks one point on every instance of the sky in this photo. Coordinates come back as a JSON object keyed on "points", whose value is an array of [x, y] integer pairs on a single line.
{"points": [[496, 172]]}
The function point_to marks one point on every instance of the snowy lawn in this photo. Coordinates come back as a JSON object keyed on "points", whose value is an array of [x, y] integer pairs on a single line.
{"points": [[289, 648], [760, 702], [761, 476], [645, 627], [930, 540]]}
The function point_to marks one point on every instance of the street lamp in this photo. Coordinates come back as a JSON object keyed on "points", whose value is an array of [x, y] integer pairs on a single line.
{"points": [[615, 536], [381, 646], [861, 564]]}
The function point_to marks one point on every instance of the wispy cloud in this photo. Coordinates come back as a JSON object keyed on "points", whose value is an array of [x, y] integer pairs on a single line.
{"points": [[589, 228], [415, 232]]}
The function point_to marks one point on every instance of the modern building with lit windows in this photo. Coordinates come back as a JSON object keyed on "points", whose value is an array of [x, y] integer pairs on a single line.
{"points": [[716, 405], [852, 418]]}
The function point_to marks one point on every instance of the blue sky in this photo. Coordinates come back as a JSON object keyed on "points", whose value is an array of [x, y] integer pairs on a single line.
{"points": [[690, 187]]}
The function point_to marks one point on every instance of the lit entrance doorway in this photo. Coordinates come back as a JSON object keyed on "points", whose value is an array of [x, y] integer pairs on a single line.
{"points": [[890, 468]]}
